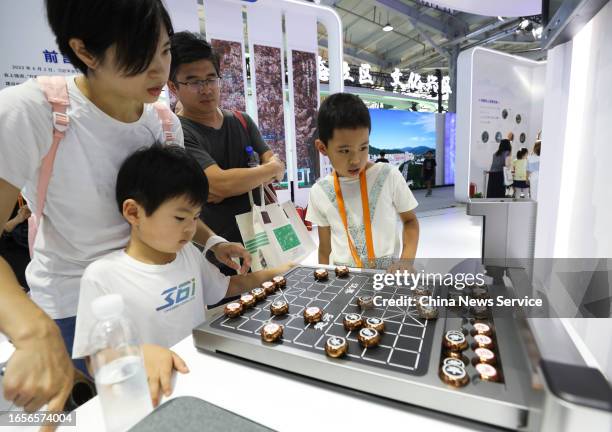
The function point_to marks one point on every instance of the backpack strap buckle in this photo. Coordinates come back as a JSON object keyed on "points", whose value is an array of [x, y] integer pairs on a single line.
{"points": [[60, 121]]}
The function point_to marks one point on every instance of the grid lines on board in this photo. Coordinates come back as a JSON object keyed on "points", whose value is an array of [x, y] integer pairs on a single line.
{"points": [[405, 344]]}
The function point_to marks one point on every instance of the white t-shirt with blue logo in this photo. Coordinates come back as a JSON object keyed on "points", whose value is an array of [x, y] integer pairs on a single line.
{"points": [[164, 302]]}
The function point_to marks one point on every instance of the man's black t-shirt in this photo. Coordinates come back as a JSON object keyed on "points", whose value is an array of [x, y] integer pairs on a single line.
{"points": [[429, 164], [225, 147]]}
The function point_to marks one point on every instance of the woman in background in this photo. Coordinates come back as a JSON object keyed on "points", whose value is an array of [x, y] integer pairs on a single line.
{"points": [[496, 187]]}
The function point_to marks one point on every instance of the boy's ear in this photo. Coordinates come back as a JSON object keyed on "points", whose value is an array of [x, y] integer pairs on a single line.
{"points": [[321, 147], [132, 212]]}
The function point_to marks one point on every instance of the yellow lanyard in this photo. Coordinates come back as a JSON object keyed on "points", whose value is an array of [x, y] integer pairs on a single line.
{"points": [[365, 205]]}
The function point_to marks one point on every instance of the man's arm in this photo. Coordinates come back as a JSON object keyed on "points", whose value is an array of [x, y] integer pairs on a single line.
{"points": [[265, 157], [324, 244], [237, 181], [39, 371], [410, 235], [203, 233], [224, 251]]}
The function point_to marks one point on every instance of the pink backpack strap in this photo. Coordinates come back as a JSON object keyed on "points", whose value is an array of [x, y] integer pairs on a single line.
{"points": [[56, 92], [241, 119], [165, 115]]}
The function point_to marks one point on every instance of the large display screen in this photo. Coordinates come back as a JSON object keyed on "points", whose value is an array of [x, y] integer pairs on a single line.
{"points": [[398, 132], [406, 137]]}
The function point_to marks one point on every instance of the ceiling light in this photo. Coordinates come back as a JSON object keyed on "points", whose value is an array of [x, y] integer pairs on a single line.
{"points": [[388, 28]]}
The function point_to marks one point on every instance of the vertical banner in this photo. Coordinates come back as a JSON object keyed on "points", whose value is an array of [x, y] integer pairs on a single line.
{"points": [[32, 52], [232, 74], [304, 90], [306, 103], [224, 30], [267, 71]]}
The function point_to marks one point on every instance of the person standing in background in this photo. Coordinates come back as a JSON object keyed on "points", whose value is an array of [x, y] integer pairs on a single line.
{"points": [[382, 158], [218, 139], [428, 171], [496, 187], [519, 170], [533, 170]]}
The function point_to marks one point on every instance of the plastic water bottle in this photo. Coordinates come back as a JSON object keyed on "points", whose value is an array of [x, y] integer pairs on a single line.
{"points": [[253, 157], [118, 366]]}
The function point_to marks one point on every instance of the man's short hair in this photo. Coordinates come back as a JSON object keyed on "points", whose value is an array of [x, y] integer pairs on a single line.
{"points": [[342, 111], [132, 26], [154, 175], [188, 47], [383, 153]]}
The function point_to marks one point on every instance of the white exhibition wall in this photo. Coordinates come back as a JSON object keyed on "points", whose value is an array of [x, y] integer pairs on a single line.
{"points": [[575, 194], [577, 132], [496, 94], [575, 197]]}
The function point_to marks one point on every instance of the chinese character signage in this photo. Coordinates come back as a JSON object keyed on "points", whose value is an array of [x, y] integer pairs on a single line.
{"points": [[410, 83]]}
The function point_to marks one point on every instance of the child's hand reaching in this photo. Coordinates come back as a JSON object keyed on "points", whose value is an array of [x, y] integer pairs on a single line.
{"points": [[159, 363]]}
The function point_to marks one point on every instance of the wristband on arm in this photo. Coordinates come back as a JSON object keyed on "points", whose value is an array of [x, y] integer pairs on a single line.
{"points": [[213, 241]]}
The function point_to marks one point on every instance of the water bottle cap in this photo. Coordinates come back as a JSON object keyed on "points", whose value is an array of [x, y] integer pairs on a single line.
{"points": [[107, 307], [249, 149]]}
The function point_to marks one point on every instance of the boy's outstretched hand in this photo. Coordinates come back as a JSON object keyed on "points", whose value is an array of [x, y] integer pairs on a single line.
{"points": [[160, 362], [225, 252]]}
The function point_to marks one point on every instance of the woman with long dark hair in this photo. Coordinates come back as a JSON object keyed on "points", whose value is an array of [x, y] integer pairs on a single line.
{"points": [[496, 187]]}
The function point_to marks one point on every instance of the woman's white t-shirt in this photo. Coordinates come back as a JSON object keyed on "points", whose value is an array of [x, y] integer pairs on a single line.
{"points": [[388, 195], [164, 302], [81, 220]]}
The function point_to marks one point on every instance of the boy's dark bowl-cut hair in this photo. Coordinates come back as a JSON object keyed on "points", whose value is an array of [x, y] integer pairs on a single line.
{"points": [[342, 111], [188, 47], [132, 26], [154, 175]]}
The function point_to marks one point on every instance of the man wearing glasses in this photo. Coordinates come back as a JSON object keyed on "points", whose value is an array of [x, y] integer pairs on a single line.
{"points": [[217, 138]]}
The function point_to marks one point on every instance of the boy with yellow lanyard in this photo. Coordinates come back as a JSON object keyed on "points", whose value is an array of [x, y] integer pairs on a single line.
{"points": [[357, 206]]}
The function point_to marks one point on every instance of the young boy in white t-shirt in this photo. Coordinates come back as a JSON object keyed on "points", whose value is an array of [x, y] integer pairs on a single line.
{"points": [[357, 206], [165, 281]]}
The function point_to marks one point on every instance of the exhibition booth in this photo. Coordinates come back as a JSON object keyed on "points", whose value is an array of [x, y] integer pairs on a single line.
{"points": [[528, 349]]}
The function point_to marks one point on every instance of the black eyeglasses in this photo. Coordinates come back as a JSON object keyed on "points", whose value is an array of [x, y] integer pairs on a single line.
{"points": [[198, 85]]}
